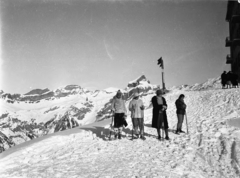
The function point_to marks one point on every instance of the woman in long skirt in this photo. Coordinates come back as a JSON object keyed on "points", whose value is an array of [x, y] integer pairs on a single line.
{"points": [[159, 117]]}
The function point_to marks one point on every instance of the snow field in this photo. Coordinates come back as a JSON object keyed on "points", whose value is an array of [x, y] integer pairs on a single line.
{"points": [[211, 149]]}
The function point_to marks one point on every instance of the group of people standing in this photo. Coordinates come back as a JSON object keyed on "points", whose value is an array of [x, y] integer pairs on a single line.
{"points": [[136, 107], [229, 80]]}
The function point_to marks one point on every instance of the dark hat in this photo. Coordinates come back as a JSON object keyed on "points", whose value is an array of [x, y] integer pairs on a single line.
{"points": [[182, 95], [159, 92], [119, 91]]}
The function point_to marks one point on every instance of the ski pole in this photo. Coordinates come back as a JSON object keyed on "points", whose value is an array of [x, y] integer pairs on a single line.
{"points": [[186, 122], [111, 125], [163, 126], [132, 132]]}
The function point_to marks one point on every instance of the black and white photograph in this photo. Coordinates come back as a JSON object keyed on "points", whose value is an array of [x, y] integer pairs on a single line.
{"points": [[119, 89]]}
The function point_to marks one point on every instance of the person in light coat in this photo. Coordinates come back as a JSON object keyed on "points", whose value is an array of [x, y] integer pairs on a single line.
{"points": [[137, 114], [120, 113]]}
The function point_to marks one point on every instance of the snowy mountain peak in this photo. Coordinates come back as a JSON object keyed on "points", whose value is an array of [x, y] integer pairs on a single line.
{"points": [[140, 85], [137, 81]]}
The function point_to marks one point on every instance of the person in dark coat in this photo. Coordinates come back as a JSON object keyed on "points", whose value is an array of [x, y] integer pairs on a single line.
{"points": [[224, 79], [159, 117], [235, 80], [181, 110]]}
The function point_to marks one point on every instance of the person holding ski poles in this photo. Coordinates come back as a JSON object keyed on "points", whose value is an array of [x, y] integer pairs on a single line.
{"points": [[137, 114], [181, 111], [159, 117], [120, 113]]}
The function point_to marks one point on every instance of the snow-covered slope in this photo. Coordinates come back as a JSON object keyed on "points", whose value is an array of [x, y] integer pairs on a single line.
{"points": [[23, 118], [211, 149], [213, 83], [40, 112]]}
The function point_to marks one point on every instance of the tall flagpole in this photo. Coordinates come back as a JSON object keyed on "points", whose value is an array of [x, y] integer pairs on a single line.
{"points": [[163, 81], [160, 63]]}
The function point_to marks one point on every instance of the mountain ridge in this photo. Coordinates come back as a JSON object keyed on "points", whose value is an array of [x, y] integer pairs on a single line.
{"points": [[42, 111]]}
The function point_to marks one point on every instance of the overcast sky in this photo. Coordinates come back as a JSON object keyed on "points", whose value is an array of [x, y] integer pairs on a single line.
{"points": [[107, 43]]}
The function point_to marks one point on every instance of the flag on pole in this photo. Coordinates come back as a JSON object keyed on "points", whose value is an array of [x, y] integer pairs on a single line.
{"points": [[160, 62]]}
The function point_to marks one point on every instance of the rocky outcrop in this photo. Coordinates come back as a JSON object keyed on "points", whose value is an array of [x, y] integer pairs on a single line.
{"points": [[37, 92], [39, 97], [72, 87], [5, 142], [70, 119], [14, 131]]}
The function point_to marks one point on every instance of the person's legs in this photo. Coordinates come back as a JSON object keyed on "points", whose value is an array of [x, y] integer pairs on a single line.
{"points": [[180, 121], [120, 132], [141, 126], [160, 124], [135, 125], [120, 125], [159, 133], [115, 125], [180, 118], [115, 132], [166, 132], [223, 84]]}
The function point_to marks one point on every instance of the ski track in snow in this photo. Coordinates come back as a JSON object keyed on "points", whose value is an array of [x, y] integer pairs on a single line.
{"points": [[210, 150]]}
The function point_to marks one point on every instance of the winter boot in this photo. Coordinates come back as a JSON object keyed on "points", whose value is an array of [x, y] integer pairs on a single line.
{"points": [[166, 132], [142, 137], [167, 138], [119, 136], [181, 131]]}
